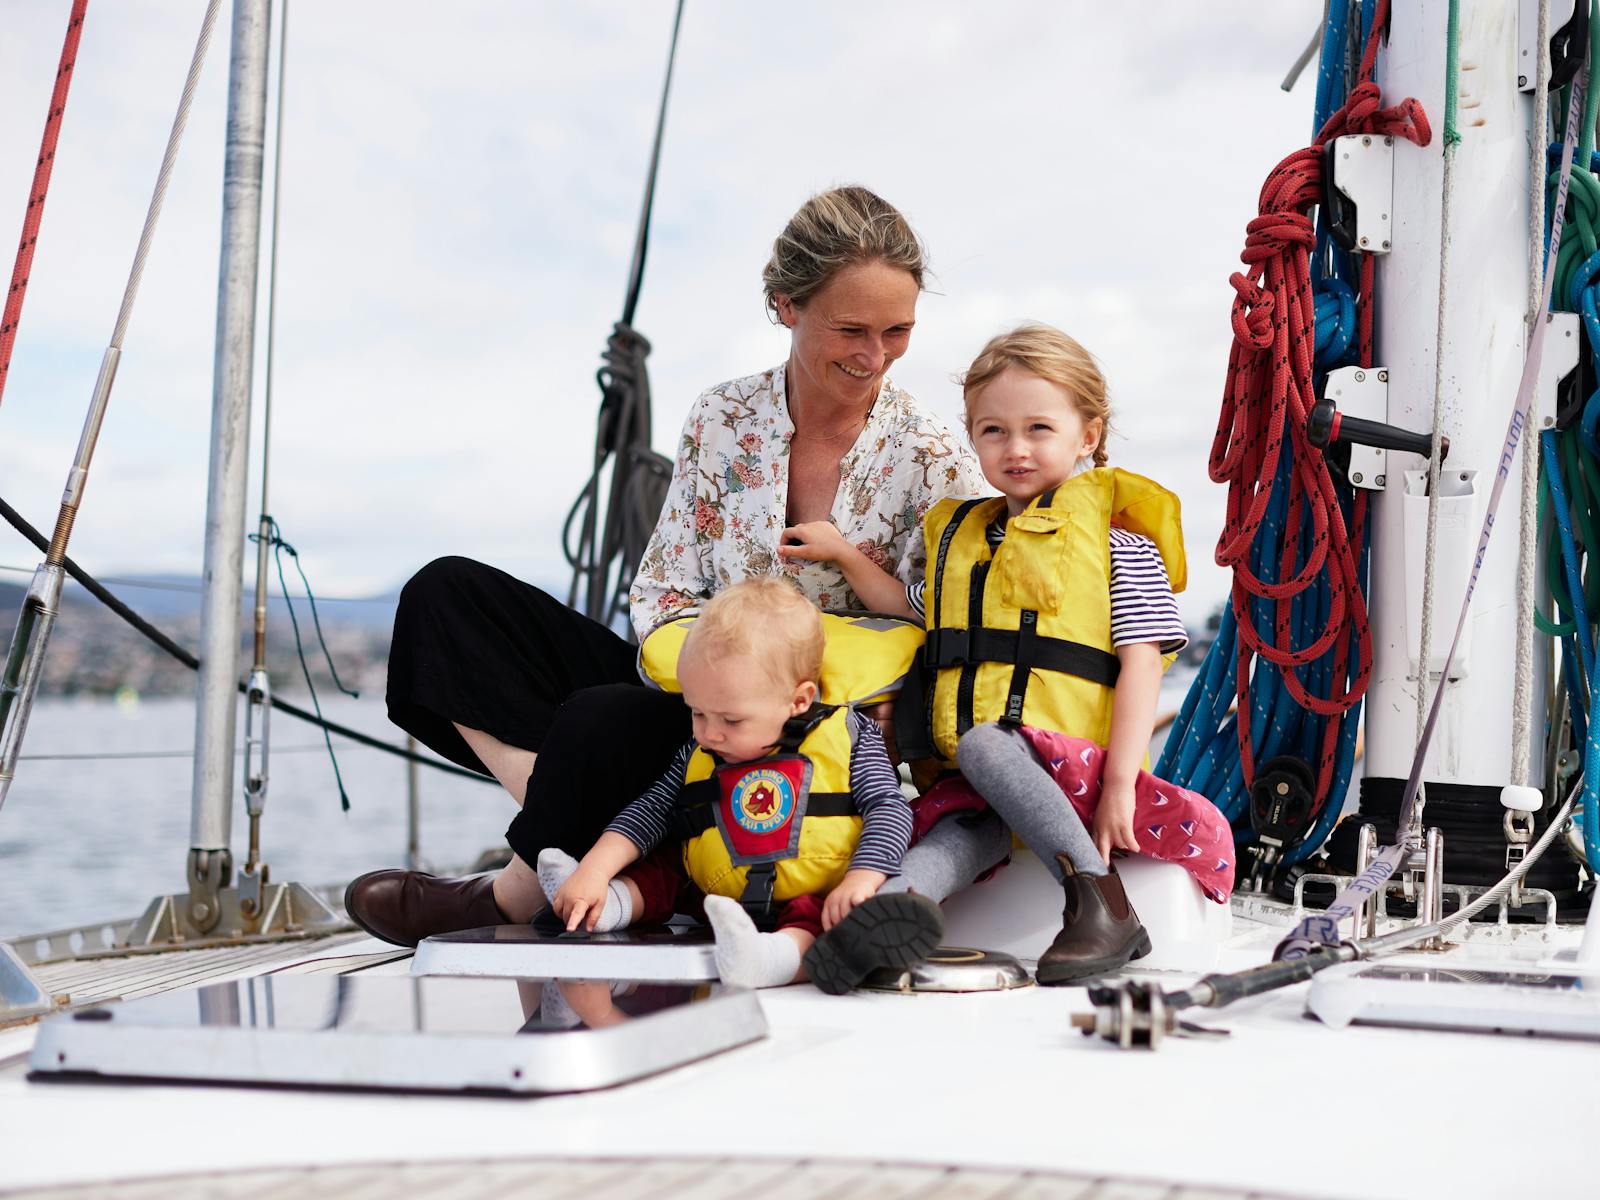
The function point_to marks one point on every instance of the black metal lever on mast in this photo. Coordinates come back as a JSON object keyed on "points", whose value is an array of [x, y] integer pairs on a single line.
{"points": [[1327, 426]]}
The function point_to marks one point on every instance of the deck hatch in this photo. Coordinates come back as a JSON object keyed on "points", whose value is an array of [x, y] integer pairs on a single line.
{"points": [[669, 953], [518, 1036]]}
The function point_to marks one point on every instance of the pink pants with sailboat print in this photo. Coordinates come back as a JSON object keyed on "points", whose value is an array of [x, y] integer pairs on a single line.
{"points": [[1170, 822]]}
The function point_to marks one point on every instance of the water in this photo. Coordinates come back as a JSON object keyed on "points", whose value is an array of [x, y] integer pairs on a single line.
{"points": [[87, 841], [84, 841]]}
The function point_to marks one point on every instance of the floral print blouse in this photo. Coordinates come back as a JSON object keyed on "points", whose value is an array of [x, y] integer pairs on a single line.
{"points": [[726, 507]]}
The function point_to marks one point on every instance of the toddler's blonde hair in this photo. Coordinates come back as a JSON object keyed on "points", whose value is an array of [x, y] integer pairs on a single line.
{"points": [[767, 619], [1044, 351]]}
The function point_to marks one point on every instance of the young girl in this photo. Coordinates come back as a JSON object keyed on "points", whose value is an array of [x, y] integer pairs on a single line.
{"points": [[788, 811], [1049, 612]]}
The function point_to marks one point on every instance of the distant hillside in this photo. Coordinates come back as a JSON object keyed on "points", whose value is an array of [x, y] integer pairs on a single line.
{"points": [[92, 651]]}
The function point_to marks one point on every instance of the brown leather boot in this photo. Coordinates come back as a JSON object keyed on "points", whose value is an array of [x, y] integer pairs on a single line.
{"points": [[404, 907], [1100, 932]]}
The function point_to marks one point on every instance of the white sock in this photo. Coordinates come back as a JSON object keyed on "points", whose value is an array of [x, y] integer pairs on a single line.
{"points": [[746, 956], [556, 867]]}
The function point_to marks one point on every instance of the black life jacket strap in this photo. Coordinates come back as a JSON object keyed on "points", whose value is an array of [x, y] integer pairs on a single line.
{"points": [[1027, 636], [963, 647], [960, 515], [696, 811], [756, 899]]}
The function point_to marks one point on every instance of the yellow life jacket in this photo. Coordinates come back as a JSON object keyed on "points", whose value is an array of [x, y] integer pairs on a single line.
{"points": [[731, 839], [778, 827], [1022, 635], [865, 658]]}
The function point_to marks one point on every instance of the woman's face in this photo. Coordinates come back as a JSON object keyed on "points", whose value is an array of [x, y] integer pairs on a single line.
{"points": [[849, 331]]}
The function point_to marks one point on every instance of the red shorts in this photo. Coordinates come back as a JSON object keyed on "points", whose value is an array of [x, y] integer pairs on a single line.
{"points": [[667, 889]]}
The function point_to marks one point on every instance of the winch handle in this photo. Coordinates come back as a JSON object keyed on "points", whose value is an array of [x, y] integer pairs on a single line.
{"points": [[1327, 425]]}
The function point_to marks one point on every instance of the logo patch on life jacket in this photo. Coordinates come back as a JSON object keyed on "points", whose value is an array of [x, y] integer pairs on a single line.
{"points": [[762, 801]]}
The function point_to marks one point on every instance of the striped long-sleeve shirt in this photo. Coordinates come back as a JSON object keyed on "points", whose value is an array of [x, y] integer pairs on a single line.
{"points": [[885, 815], [1143, 608]]}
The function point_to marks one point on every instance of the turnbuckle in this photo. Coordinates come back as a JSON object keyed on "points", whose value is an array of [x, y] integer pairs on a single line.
{"points": [[1135, 1016]]}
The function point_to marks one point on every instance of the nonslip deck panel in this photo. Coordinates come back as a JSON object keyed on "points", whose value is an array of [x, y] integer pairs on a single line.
{"points": [[521, 1037], [631, 1178], [131, 976]]}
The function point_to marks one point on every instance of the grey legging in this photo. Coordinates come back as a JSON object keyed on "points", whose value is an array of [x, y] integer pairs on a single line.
{"points": [[1003, 768]]}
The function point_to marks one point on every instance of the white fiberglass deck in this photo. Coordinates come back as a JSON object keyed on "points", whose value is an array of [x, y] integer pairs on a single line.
{"points": [[993, 1082]]}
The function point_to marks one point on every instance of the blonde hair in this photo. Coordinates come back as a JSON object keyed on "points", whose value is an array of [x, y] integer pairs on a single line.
{"points": [[1044, 351], [767, 619], [836, 229]]}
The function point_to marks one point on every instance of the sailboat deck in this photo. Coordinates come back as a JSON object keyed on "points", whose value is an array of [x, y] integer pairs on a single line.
{"points": [[635, 1179], [129, 976], [997, 1083]]}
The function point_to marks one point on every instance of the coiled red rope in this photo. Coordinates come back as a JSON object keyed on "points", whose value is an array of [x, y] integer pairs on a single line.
{"points": [[1268, 395], [37, 192]]}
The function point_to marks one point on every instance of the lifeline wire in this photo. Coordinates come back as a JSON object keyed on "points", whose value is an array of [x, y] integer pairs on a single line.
{"points": [[1411, 832], [1528, 511], [279, 546], [99, 592], [38, 190]]}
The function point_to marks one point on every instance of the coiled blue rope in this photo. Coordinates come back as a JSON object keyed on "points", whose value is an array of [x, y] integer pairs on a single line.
{"points": [[1585, 638], [1202, 748]]}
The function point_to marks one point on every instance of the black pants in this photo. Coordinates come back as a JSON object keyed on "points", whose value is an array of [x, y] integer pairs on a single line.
{"points": [[476, 646]]}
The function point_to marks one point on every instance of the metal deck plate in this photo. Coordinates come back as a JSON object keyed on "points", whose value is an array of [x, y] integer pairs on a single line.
{"points": [[666, 953], [952, 969], [1552, 1005], [440, 1035]]}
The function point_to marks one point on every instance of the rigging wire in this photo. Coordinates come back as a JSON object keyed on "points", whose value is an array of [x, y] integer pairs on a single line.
{"points": [[24, 660], [190, 589], [38, 191], [98, 590], [279, 547]]}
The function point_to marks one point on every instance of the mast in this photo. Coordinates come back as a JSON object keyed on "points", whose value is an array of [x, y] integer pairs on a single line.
{"points": [[1484, 343], [210, 865]]}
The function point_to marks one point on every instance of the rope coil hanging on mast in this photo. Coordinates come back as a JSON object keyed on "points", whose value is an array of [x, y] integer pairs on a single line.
{"points": [[1298, 560], [605, 555]]}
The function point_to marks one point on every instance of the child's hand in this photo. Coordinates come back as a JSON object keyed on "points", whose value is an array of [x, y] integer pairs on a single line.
{"points": [[814, 541], [1113, 821], [856, 886], [581, 898]]}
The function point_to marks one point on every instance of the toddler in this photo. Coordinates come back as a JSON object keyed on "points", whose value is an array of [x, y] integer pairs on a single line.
{"points": [[788, 811]]}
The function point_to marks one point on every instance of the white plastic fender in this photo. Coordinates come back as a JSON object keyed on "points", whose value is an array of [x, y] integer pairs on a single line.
{"points": [[1019, 912]]}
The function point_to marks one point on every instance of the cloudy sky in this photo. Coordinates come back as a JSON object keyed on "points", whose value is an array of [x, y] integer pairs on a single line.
{"points": [[460, 189]]}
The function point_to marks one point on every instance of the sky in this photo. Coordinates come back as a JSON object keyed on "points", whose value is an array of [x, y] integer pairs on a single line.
{"points": [[460, 189]]}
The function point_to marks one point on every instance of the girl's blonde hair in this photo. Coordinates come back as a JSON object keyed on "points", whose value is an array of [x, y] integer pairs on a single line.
{"points": [[767, 619], [836, 229], [1044, 351]]}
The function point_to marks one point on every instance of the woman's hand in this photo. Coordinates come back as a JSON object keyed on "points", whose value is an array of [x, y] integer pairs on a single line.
{"points": [[814, 541], [581, 898], [1113, 821], [856, 886]]}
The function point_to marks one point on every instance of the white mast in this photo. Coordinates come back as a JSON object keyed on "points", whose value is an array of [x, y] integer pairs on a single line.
{"points": [[210, 823], [1483, 349]]}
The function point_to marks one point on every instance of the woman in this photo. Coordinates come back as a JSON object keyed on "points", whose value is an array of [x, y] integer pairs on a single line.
{"points": [[497, 676]]}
